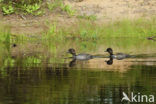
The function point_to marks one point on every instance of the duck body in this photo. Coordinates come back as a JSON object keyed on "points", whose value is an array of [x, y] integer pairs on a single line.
{"points": [[151, 38], [81, 56], [118, 56]]}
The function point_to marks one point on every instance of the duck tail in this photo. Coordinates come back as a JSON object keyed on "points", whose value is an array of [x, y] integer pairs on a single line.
{"points": [[130, 56], [97, 56]]}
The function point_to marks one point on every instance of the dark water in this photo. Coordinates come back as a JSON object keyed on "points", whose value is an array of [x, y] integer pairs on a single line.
{"points": [[43, 77]]}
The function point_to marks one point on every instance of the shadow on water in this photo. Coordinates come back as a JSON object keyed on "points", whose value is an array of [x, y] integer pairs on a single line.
{"points": [[38, 73]]}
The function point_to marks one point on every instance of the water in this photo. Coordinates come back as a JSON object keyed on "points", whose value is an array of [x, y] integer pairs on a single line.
{"points": [[31, 75]]}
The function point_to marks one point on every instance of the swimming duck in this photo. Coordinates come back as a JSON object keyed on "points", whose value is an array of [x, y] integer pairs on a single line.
{"points": [[81, 56], [14, 45], [118, 56], [152, 38]]}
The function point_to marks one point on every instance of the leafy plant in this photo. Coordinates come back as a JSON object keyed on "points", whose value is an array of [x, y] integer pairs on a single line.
{"points": [[55, 4], [8, 9], [68, 9], [28, 6], [31, 8], [21, 2]]}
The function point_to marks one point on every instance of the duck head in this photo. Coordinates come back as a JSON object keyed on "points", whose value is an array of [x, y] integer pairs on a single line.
{"points": [[72, 51], [110, 51]]}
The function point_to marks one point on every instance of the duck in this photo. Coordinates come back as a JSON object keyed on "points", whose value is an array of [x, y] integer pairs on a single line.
{"points": [[152, 38], [14, 45], [81, 56], [118, 56]]}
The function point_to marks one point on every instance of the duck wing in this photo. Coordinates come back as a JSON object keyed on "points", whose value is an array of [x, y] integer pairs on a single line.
{"points": [[82, 56]]}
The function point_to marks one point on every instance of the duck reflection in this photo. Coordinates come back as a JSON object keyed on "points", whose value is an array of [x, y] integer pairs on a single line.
{"points": [[72, 63], [110, 61]]}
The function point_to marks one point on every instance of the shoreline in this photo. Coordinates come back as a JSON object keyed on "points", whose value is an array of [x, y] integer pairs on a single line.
{"points": [[99, 12]]}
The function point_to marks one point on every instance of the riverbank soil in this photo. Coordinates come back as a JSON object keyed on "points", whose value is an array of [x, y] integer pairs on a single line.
{"points": [[103, 10]]}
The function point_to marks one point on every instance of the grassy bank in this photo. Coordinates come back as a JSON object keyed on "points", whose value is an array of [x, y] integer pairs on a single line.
{"points": [[90, 29], [85, 30]]}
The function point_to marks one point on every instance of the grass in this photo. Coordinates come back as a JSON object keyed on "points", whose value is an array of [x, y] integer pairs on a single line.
{"points": [[53, 5], [86, 37], [68, 9], [85, 30], [140, 28], [59, 4], [89, 29], [5, 34], [124, 28]]}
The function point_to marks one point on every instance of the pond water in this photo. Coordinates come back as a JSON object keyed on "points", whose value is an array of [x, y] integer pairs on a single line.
{"points": [[39, 72]]}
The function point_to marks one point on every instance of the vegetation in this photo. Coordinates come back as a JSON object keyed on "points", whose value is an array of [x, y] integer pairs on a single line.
{"points": [[7, 9], [53, 5], [34, 7], [4, 34], [36, 65], [68, 9], [90, 17], [31, 9], [87, 34], [23, 6], [1, 0], [89, 29]]}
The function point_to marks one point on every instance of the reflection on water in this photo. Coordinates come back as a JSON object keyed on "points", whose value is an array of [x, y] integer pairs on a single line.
{"points": [[63, 86], [40, 74], [110, 61]]}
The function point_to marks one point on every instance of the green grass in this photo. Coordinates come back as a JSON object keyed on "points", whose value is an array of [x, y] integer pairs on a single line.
{"points": [[86, 37], [68, 9], [89, 29], [83, 30], [59, 4], [4, 34], [53, 5]]}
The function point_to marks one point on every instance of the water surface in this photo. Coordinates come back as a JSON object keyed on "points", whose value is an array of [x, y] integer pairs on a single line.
{"points": [[37, 73]]}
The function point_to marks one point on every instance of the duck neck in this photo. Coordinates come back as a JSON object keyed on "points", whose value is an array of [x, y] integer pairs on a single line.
{"points": [[74, 54], [111, 53]]}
